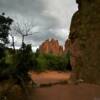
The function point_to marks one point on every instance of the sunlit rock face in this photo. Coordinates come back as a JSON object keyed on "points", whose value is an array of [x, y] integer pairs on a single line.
{"points": [[51, 46], [85, 40]]}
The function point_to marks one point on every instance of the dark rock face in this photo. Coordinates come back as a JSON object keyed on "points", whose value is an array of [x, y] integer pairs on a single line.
{"points": [[67, 46], [85, 40], [51, 47]]}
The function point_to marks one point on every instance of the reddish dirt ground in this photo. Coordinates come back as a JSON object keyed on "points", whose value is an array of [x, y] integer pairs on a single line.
{"points": [[62, 92], [49, 76], [67, 92], [81, 91]]}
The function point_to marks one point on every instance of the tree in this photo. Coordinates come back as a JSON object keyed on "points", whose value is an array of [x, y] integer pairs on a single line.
{"points": [[24, 29], [8, 72], [5, 23], [5, 27], [13, 39]]}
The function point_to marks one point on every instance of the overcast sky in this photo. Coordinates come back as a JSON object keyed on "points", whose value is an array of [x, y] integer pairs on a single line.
{"points": [[51, 18]]}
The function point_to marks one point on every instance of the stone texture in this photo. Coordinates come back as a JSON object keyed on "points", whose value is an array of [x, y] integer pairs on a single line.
{"points": [[51, 46], [67, 46], [85, 40]]}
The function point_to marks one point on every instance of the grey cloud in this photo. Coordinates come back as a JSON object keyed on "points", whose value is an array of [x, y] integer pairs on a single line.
{"points": [[22, 6]]}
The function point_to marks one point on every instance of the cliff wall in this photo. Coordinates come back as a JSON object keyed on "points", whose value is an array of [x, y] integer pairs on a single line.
{"points": [[85, 40]]}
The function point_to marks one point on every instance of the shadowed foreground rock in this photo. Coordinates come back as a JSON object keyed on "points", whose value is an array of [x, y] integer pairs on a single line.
{"points": [[85, 41]]}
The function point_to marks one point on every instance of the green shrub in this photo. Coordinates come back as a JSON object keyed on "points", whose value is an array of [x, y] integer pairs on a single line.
{"points": [[41, 63]]}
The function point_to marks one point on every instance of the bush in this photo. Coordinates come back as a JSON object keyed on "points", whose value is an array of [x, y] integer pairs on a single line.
{"points": [[52, 62], [41, 63]]}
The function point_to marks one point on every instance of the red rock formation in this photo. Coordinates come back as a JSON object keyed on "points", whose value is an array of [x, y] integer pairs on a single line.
{"points": [[85, 40], [51, 46], [67, 46]]}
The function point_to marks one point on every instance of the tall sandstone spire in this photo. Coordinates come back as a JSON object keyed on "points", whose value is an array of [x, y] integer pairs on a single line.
{"points": [[51, 46]]}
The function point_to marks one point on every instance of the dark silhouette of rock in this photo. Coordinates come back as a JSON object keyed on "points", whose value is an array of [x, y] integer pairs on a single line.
{"points": [[85, 40], [51, 46], [67, 46]]}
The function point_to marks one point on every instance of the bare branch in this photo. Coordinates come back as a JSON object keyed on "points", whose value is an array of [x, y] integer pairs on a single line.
{"points": [[13, 41], [24, 29]]}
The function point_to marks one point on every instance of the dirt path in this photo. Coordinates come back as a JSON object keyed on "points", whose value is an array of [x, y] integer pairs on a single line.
{"points": [[67, 92], [62, 92], [81, 91], [49, 77]]}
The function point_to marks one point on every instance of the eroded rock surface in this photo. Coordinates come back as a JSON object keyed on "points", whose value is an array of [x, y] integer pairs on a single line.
{"points": [[51, 47], [85, 40]]}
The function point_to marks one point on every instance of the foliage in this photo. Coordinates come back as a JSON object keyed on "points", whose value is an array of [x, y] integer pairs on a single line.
{"points": [[5, 23], [41, 63], [52, 62], [23, 61]]}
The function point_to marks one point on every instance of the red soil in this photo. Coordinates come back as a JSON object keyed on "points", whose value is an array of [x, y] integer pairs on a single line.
{"points": [[62, 92], [67, 92], [49, 76]]}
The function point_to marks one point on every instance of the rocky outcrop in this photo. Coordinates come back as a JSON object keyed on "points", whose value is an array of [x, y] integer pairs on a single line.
{"points": [[51, 46], [67, 46], [85, 40]]}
